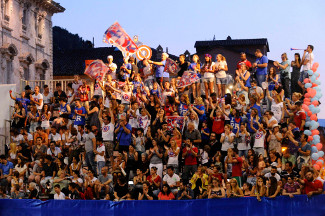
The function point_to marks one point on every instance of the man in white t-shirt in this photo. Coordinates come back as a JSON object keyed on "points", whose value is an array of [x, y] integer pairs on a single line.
{"points": [[307, 63], [172, 179], [111, 67], [108, 135], [58, 194], [48, 97], [37, 98], [100, 154], [259, 139]]}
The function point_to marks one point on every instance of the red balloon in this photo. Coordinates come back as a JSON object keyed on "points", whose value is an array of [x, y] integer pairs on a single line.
{"points": [[315, 103], [319, 146], [305, 107], [314, 84], [312, 93], [314, 67], [309, 113], [317, 167], [309, 89], [319, 164], [307, 99], [321, 158], [315, 132], [313, 117], [307, 95], [306, 80], [310, 138], [308, 103]]}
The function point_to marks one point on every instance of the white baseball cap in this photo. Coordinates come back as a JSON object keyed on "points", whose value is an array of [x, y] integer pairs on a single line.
{"points": [[110, 57]]}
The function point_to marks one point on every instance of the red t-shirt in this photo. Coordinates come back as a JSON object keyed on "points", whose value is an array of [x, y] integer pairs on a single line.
{"points": [[190, 159], [299, 116], [218, 125], [236, 167], [170, 196], [157, 179], [312, 186], [248, 64], [83, 95]]}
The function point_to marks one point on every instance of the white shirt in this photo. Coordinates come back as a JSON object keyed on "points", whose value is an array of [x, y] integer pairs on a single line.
{"points": [[108, 132], [242, 142], [100, 149], [310, 57], [226, 144], [259, 139], [277, 110], [133, 120], [59, 197], [75, 86], [47, 99], [221, 73], [56, 137], [144, 122], [37, 98], [125, 97], [112, 72], [171, 180], [56, 151], [209, 74], [172, 158]]}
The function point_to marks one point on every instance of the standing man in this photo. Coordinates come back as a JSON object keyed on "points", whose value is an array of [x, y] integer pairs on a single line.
{"points": [[123, 132], [261, 66], [190, 153], [160, 74], [285, 75], [37, 98], [307, 62], [111, 67], [243, 60]]}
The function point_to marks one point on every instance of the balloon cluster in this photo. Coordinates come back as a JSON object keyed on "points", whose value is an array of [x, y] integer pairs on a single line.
{"points": [[310, 105]]}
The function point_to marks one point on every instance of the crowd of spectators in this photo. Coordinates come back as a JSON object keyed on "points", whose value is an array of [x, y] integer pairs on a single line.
{"points": [[115, 144]]}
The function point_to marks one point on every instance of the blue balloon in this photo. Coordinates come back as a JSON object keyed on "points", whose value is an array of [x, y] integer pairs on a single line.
{"points": [[314, 149], [314, 99], [316, 74], [314, 142], [320, 154], [318, 82], [308, 85], [314, 156], [310, 72], [316, 137], [317, 88], [307, 124], [308, 132], [313, 79]]}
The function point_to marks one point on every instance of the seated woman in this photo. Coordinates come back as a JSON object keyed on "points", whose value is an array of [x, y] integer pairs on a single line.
{"points": [[166, 193], [216, 191], [199, 181], [247, 189], [273, 188], [258, 190], [234, 191]]}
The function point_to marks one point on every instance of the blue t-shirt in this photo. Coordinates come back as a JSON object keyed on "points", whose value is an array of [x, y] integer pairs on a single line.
{"points": [[155, 92], [258, 109], [160, 70], [136, 85], [124, 138], [80, 120], [255, 125], [235, 122], [203, 116], [24, 101], [6, 168], [262, 60], [127, 75], [182, 109], [205, 137]]}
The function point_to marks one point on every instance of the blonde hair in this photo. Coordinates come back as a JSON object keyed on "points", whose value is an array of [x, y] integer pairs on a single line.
{"points": [[236, 189], [187, 100], [199, 100], [222, 58], [298, 95], [279, 98], [229, 126], [13, 147]]}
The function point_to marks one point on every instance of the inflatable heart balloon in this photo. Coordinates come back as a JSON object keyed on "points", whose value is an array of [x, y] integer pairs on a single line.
{"points": [[314, 67]]}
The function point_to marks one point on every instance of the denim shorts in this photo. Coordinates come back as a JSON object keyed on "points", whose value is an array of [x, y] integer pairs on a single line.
{"points": [[303, 75], [222, 81], [208, 80]]}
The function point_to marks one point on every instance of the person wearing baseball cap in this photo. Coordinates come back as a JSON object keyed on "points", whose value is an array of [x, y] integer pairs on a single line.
{"points": [[111, 67]]}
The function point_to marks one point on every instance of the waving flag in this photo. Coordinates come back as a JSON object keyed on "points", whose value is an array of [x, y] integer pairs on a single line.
{"points": [[116, 36], [179, 121], [188, 78], [96, 70], [171, 66]]}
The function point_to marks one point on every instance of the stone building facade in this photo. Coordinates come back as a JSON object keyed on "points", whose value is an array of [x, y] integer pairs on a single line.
{"points": [[26, 47]]}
